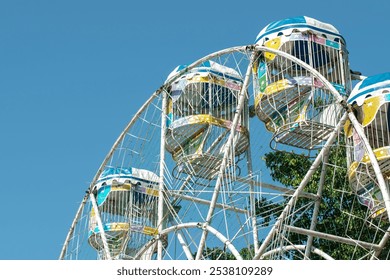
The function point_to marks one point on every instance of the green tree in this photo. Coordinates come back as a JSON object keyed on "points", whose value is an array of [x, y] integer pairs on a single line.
{"points": [[217, 253], [340, 214], [335, 215]]}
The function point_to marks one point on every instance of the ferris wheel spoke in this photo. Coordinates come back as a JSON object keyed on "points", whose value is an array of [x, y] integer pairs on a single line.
{"points": [[317, 205], [308, 175], [226, 155]]}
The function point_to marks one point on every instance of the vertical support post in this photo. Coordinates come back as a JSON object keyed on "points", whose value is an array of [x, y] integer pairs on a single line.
{"points": [[160, 215], [224, 162], [342, 69], [252, 200], [184, 245], [316, 206]]}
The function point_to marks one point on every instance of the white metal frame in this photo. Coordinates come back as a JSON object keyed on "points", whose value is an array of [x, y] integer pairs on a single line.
{"points": [[205, 226]]}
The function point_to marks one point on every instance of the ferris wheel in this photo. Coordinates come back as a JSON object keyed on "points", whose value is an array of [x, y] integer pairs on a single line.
{"points": [[188, 178]]}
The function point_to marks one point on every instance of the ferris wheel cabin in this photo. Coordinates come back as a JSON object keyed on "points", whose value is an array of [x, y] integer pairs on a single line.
{"points": [[292, 102], [370, 100], [127, 199], [202, 105]]}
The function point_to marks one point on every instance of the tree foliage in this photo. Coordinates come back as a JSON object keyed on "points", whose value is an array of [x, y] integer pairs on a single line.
{"points": [[340, 214], [217, 253]]}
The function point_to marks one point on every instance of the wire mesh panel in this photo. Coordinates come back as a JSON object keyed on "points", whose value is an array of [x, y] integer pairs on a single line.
{"points": [[202, 105], [290, 100], [370, 99]]}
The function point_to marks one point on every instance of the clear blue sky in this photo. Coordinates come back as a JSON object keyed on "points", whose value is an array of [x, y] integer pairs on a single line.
{"points": [[72, 73]]}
